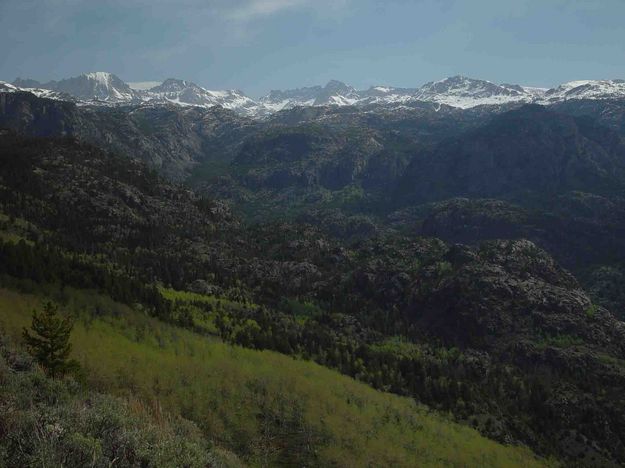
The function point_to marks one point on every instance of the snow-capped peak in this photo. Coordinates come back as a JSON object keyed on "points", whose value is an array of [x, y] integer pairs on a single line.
{"points": [[186, 93], [103, 79], [587, 89], [461, 91], [8, 87], [172, 85], [535, 91], [37, 91], [334, 93], [101, 86], [456, 91]]}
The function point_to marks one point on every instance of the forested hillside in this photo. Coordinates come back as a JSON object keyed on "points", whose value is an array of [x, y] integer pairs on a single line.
{"points": [[496, 334], [265, 407]]}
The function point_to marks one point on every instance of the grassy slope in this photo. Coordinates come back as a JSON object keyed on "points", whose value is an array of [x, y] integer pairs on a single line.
{"points": [[267, 407]]}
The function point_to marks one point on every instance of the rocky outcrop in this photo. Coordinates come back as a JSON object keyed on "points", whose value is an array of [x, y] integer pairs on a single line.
{"points": [[509, 291], [512, 301]]}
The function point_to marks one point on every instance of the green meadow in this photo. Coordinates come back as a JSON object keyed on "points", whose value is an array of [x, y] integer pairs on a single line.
{"points": [[269, 409]]}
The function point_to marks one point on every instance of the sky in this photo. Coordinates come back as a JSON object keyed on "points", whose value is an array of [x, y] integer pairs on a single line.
{"points": [[259, 45]]}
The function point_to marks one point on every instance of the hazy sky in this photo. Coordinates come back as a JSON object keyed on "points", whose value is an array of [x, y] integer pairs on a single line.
{"points": [[258, 45]]}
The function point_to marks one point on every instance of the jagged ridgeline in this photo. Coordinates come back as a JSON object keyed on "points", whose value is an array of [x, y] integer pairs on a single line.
{"points": [[419, 251], [105, 89]]}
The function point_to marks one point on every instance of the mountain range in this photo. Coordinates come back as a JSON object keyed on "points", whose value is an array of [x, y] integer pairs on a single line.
{"points": [[102, 88]]}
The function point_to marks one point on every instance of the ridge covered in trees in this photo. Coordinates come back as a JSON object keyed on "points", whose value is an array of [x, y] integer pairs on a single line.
{"points": [[496, 332]]}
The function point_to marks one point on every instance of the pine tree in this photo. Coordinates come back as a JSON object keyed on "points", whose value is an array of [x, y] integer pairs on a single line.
{"points": [[49, 344]]}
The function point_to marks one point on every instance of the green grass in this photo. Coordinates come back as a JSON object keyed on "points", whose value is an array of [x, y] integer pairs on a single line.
{"points": [[611, 360], [201, 308], [563, 341], [191, 297], [591, 311], [13, 230], [398, 346], [268, 408], [12, 237]]}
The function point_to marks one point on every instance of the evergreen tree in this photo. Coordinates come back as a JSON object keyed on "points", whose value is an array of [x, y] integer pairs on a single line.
{"points": [[48, 340]]}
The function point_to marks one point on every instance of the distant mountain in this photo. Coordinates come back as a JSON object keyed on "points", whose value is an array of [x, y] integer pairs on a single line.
{"points": [[187, 93], [96, 86], [101, 88], [36, 90], [337, 93], [26, 83], [463, 92], [456, 91], [278, 100], [387, 95], [334, 93], [106, 88], [586, 89]]}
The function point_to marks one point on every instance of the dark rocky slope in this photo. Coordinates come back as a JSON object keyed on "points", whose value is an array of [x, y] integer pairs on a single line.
{"points": [[523, 153], [171, 139]]}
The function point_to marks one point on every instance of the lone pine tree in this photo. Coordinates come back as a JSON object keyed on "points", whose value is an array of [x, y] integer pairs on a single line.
{"points": [[48, 340]]}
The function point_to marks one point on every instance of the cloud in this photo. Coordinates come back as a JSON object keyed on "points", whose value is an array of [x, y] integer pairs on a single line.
{"points": [[255, 9], [252, 10]]}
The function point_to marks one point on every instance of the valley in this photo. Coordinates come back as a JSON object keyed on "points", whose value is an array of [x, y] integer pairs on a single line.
{"points": [[334, 285]]}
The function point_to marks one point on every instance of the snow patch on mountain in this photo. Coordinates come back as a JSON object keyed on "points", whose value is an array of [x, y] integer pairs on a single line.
{"points": [[457, 91], [586, 89], [95, 86], [463, 92], [184, 92], [103, 79], [102, 88], [534, 91], [8, 87], [39, 92]]}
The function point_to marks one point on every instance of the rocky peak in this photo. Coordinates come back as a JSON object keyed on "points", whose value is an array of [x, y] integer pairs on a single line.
{"points": [[96, 85], [173, 85], [27, 83], [337, 93], [335, 86], [587, 89]]}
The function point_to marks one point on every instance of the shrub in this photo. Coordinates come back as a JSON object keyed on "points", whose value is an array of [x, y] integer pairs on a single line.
{"points": [[591, 311], [53, 422]]}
